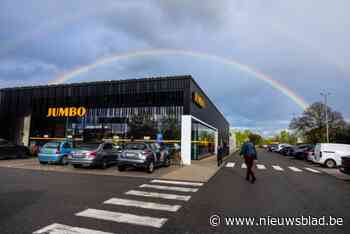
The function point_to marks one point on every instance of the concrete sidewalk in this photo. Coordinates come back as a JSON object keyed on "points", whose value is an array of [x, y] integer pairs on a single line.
{"points": [[201, 170]]}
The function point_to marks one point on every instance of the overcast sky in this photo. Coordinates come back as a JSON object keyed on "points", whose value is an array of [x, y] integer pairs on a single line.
{"points": [[302, 44]]}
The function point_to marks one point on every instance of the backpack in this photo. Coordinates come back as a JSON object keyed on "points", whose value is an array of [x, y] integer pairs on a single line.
{"points": [[249, 149]]}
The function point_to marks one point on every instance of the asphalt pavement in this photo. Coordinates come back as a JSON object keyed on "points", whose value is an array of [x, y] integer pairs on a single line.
{"points": [[54, 202]]}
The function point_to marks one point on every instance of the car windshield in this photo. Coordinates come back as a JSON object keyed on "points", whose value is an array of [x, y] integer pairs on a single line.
{"points": [[135, 146], [52, 145]]}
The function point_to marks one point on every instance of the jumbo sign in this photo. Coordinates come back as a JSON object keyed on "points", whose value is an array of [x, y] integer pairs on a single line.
{"points": [[66, 112], [199, 100]]}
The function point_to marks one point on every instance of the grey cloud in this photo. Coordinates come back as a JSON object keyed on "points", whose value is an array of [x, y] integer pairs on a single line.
{"points": [[293, 42]]}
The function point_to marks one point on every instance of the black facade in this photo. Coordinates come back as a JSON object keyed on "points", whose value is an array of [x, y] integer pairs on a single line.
{"points": [[173, 95]]}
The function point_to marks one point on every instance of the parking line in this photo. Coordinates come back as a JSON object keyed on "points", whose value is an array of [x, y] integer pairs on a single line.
{"points": [[295, 169], [177, 182], [230, 164], [123, 218], [178, 189], [312, 170], [159, 195], [57, 228], [141, 204], [261, 166], [244, 165], [277, 168]]}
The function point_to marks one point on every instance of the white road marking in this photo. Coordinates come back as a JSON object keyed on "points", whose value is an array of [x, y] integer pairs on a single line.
{"points": [[141, 204], [277, 168], [159, 195], [312, 170], [179, 189], [244, 165], [261, 166], [123, 218], [295, 169], [230, 164], [57, 228], [177, 182]]}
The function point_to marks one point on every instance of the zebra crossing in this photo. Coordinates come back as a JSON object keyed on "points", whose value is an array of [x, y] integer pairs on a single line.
{"points": [[274, 167], [161, 192]]}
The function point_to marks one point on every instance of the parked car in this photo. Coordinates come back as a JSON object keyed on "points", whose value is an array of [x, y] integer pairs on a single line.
{"points": [[95, 155], [279, 147], [35, 146], [310, 154], [286, 151], [143, 155], [330, 154], [345, 165], [9, 150], [272, 147], [300, 151], [55, 152]]}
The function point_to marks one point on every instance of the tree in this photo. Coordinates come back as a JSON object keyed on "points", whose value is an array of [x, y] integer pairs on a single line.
{"points": [[241, 137], [256, 139], [312, 125], [286, 137], [343, 135]]}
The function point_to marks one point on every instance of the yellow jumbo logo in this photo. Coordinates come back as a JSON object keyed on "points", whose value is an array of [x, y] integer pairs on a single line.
{"points": [[199, 100], [66, 112]]}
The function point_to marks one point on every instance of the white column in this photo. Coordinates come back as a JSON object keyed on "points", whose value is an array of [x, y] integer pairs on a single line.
{"points": [[26, 130], [186, 128]]}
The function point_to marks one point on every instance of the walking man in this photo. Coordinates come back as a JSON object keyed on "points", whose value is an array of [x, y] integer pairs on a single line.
{"points": [[249, 153], [220, 154]]}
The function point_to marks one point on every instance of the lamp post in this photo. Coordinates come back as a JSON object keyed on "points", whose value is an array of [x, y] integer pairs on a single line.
{"points": [[325, 95]]}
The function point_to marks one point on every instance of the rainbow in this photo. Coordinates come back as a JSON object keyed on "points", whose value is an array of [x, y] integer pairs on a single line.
{"points": [[159, 52]]}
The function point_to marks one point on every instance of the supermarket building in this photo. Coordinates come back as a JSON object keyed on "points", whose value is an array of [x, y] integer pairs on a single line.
{"points": [[172, 110]]}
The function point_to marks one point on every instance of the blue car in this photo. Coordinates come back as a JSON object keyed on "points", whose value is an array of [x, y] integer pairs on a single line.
{"points": [[55, 152]]}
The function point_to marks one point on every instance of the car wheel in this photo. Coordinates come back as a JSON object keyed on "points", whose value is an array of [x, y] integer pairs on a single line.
{"points": [[104, 164], [77, 166], [64, 160], [42, 163], [150, 167], [121, 168], [330, 163], [167, 162]]}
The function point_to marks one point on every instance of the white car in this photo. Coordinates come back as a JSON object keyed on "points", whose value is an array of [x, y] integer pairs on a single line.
{"points": [[330, 154]]}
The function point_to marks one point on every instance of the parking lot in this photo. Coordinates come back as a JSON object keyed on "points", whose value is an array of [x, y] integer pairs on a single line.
{"points": [[330, 171], [201, 170]]}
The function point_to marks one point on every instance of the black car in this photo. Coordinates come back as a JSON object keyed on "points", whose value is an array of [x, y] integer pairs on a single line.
{"points": [[9, 150], [286, 151], [143, 155], [299, 151], [94, 155], [345, 165]]}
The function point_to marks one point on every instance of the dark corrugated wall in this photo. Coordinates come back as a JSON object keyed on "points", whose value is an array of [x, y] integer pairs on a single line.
{"points": [[149, 92]]}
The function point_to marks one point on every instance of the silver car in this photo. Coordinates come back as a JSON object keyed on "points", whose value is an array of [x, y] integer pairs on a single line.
{"points": [[143, 155], [100, 155]]}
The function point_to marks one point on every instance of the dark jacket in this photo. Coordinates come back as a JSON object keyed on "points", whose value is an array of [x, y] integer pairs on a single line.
{"points": [[248, 149]]}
